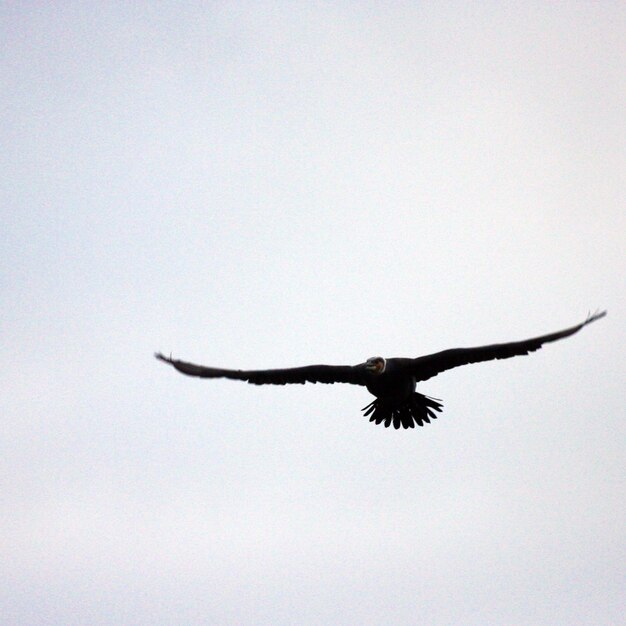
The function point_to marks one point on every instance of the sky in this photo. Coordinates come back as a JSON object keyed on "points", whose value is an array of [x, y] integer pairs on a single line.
{"points": [[275, 184]]}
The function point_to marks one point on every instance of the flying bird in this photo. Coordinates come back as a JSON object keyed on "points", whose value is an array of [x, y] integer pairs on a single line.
{"points": [[392, 381]]}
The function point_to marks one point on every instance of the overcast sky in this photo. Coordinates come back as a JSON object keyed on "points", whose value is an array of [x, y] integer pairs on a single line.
{"points": [[268, 184]]}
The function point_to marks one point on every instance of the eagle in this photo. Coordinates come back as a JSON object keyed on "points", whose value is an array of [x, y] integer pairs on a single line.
{"points": [[392, 381]]}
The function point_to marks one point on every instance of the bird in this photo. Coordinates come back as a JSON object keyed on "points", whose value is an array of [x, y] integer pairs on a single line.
{"points": [[391, 381]]}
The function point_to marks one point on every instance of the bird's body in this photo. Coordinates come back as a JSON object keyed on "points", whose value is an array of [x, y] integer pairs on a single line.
{"points": [[391, 381]]}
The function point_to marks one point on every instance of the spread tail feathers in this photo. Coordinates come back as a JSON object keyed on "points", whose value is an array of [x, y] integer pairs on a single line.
{"points": [[417, 408]]}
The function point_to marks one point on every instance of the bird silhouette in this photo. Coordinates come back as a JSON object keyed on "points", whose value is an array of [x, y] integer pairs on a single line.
{"points": [[392, 381]]}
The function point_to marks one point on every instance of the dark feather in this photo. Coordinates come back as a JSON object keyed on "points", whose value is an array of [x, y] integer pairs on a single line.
{"points": [[426, 367], [296, 375], [416, 409]]}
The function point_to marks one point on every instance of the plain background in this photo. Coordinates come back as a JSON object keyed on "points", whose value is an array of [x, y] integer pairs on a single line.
{"points": [[272, 184]]}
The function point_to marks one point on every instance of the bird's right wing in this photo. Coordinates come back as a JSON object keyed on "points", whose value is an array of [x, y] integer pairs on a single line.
{"points": [[426, 367], [353, 374]]}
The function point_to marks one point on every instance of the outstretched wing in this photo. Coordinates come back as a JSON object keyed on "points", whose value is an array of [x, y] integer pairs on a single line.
{"points": [[294, 375], [426, 367]]}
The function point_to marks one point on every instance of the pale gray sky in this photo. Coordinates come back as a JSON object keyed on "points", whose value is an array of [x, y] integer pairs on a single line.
{"points": [[277, 184]]}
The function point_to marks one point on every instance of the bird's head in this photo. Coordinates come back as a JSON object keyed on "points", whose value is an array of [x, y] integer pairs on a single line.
{"points": [[375, 365]]}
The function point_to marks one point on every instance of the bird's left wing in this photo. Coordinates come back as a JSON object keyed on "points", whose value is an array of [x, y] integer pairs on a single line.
{"points": [[353, 374], [426, 367]]}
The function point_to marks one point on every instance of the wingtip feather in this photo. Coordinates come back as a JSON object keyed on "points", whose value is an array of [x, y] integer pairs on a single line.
{"points": [[596, 316]]}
